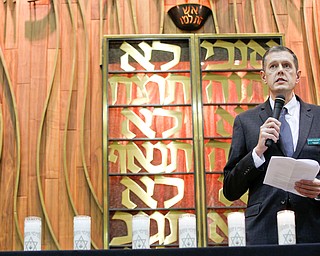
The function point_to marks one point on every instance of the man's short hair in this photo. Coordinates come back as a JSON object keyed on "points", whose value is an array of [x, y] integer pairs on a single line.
{"points": [[280, 48]]}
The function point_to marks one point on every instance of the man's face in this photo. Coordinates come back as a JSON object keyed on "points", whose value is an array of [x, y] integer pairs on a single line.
{"points": [[280, 73]]}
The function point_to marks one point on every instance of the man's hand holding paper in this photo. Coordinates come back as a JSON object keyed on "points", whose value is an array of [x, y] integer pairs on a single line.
{"points": [[297, 176], [308, 188]]}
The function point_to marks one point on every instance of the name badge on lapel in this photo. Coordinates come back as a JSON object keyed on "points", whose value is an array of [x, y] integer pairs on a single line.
{"points": [[313, 141]]}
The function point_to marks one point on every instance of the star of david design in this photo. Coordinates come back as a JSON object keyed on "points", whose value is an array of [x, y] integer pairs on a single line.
{"points": [[81, 244], [188, 241], [140, 243], [289, 237], [31, 245], [237, 240]]}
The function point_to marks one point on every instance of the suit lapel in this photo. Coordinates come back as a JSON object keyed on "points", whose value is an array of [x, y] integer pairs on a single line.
{"points": [[305, 122], [266, 111]]}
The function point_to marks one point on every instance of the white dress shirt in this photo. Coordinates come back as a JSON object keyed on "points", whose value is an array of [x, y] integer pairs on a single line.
{"points": [[292, 118]]}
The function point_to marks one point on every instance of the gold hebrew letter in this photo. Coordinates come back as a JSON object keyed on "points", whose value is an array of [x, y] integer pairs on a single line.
{"points": [[177, 117], [212, 156], [127, 219], [145, 196], [144, 126], [175, 49], [175, 182], [215, 222], [134, 154], [144, 61]]}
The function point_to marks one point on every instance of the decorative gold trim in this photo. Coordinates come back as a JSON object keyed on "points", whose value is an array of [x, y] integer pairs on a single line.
{"points": [[134, 17], [214, 14], [104, 147], [65, 132], [65, 168], [253, 10], [200, 183], [315, 92], [44, 113], [161, 16], [17, 130], [100, 28], [235, 13], [85, 169], [118, 8], [275, 15]]}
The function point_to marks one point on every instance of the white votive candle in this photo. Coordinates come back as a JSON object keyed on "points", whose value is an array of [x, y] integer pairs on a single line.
{"points": [[82, 232], [236, 229], [140, 232], [187, 231], [286, 227], [32, 233]]}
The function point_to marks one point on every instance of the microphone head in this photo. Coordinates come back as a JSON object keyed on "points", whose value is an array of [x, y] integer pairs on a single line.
{"points": [[280, 99], [278, 105]]}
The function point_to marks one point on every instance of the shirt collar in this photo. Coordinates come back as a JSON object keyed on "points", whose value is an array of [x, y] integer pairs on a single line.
{"points": [[291, 106]]}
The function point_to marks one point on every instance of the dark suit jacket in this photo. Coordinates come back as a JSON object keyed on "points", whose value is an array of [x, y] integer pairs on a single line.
{"points": [[240, 175]]}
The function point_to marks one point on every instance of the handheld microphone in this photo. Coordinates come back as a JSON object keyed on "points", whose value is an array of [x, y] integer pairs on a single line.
{"points": [[278, 105]]}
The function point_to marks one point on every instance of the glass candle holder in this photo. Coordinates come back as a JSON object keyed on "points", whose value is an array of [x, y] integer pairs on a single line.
{"points": [[187, 231], [286, 227], [82, 232], [32, 233], [236, 229], [140, 232]]}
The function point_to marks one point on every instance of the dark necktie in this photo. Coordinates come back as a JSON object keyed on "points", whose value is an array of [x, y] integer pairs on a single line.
{"points": [[286, 134]]}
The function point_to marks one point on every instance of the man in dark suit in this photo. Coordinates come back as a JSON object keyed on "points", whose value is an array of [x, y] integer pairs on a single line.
{"points": [[249, 156]]}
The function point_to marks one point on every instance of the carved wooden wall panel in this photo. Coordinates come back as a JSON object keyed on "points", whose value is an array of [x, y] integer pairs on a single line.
{"points": [[51, 96]]}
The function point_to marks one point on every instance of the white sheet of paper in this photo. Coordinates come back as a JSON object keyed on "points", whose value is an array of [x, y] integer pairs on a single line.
{"points": [[283, 172]]}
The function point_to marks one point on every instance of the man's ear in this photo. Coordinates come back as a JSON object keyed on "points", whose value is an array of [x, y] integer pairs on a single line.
{"points": [[298, 76], [263, 76]]}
